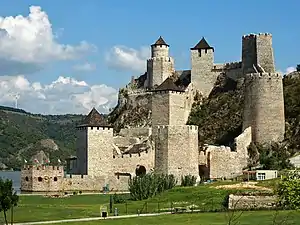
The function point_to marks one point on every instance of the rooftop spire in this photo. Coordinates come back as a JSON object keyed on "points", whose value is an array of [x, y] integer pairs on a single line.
{"points": [[160, 41], [94, 119], [202, 44]]}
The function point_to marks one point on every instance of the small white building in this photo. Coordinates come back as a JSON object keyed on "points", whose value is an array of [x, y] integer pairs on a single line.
{"points": [[266, 174]]}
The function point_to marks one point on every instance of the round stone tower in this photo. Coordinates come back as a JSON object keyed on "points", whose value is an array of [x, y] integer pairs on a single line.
{"points": [[160, 66], [264, 103]]}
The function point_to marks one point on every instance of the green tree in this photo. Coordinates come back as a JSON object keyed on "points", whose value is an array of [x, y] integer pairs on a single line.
{"points": [[298, 68], [288, 190], [8, 197]]}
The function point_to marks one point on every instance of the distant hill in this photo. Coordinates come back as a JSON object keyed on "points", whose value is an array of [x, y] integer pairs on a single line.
{"points": [[23, 134]]}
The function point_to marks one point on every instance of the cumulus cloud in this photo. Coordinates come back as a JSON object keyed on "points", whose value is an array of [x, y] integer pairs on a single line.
{"points": [[26, 43], [290, 69], [86, 67], [64, 95], [124, 58]]}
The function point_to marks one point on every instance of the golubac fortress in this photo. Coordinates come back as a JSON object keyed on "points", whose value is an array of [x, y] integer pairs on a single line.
{"points": [[108, 159]]}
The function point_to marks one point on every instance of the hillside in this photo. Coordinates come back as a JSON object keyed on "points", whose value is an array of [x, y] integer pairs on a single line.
{"points": [[21, 134]]}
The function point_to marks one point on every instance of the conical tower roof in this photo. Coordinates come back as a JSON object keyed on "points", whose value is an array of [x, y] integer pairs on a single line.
{"points": [[202, 44], [94, 119], [160, 41]]}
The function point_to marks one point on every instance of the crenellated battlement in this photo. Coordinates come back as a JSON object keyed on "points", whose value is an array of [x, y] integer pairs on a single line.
{"points": [[252, 35], [42, 167], [161, 59], [94, 128], [253, 76], [168, 92]]}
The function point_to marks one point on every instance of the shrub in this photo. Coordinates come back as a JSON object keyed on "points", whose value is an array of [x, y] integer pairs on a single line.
{"points": [[119, 198], [288, 191], [149, 185], [188, 180]]}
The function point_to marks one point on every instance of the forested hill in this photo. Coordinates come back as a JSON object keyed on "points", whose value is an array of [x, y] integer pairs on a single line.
{"points": [[24, 134]]}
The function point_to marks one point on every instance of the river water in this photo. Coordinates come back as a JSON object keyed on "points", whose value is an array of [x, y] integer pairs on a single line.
{"points": [[15, 176]]}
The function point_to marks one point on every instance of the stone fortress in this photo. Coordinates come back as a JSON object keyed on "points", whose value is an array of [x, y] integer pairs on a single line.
{"points": [[168, 145]]}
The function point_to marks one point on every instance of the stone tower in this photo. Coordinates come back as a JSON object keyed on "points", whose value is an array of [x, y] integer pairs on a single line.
{"points": [[94, 146], [202, 60], [176, 144], [160, 66], [257, 53], [264, 103]]}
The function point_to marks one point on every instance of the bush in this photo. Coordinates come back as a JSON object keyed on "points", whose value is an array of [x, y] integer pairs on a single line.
{"points": [[288, 191], [119, 198], [188, 180], [149, 185]]}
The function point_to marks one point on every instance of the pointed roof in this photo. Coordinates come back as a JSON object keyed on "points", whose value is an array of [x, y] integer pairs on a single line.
{"points": [[94, 119], [160, 41], [168, 85], [202, 44]]}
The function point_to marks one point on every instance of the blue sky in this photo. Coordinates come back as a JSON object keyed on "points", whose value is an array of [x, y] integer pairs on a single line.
{"points": [[131, 26]]}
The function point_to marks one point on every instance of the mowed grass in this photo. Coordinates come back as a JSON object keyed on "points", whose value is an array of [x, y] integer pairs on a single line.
{"points": [[39, 208], [246, 218]]}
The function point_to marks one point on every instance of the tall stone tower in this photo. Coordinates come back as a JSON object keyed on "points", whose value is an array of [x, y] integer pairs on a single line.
{"points": [[94, 146], [176, 144], [264, 103], [202, 60], [160, 66]]}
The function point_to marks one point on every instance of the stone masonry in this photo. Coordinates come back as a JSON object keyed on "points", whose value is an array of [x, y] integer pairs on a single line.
{"points": [[168, 145]]}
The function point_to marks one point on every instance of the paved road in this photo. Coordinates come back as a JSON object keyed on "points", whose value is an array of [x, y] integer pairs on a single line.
{"points": [[92, 219]]}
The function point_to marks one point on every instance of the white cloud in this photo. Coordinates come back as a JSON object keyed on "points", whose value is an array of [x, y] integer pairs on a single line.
{"points": [[86, 67], [64, 95], [124, 58], [290, 69], [26, 43]]}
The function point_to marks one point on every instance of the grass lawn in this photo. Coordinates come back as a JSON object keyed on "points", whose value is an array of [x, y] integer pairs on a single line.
{"points": [[40, 208], [247, 218]]}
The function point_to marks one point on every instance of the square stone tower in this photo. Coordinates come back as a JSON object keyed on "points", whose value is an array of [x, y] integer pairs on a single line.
{"points": [[202, 61], [176, 144], [94, 146]]}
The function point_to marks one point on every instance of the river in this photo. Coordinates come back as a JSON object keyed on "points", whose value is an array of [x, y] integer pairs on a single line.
{"points": [[15, 176]]}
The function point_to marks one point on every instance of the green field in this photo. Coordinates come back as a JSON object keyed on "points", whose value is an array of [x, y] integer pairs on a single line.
{"points": [[39, 208], [246, 218]]}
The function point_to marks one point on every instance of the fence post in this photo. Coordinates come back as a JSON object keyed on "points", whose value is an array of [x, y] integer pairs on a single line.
{"points": [[146, 207], [171, 207], [126, 208]]}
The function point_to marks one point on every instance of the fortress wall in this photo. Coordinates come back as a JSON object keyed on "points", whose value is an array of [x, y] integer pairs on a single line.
{"points": [[225, 162], [249, 53], [177, 150], [233, 70], [264, 107], [41, 178], [265, 57], [136, 132], [201, 71], [81, 150], [127, 163], [178, 103], [160, 108], [100, 149], [159, 69]]}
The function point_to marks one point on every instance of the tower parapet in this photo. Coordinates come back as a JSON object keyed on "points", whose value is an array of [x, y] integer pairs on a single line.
{"points": [[160, 66], [257, 53], [264, 107]]}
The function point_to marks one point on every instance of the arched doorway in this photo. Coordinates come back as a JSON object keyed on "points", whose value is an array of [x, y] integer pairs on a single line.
{"points": [[140, 170]]}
